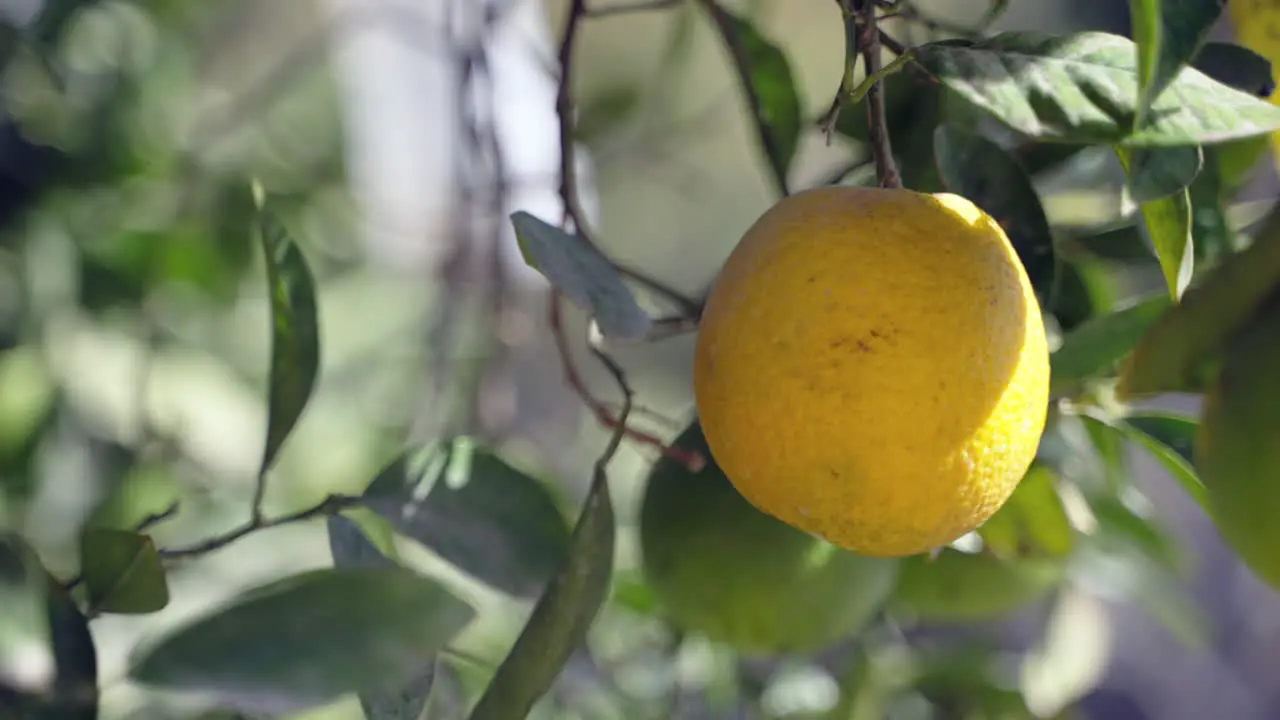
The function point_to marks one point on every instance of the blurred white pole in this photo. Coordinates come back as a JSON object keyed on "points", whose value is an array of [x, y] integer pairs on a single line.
{"points": [[422, 80]]}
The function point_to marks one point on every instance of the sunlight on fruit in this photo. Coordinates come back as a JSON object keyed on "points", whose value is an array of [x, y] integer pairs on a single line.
{"points": [[883, 351]]}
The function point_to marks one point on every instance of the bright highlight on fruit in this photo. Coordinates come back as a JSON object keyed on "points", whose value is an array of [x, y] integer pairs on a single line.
{"points": [[872, 368]]}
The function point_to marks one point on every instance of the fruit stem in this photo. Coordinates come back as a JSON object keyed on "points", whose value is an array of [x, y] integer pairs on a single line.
{"points": [[860, 18]]}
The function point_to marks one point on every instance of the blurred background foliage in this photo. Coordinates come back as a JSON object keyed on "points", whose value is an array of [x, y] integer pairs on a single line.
{"points": [[134, 326]]}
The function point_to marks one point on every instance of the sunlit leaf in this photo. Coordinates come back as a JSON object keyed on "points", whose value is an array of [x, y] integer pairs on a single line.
{"points": [[1169, 34], [122, 572], [295, 336], [1083, 88], [1096, 346], [1177, 465], [1173, 353], [476, 511], [583, 275], [562, 616], [306, 639]]}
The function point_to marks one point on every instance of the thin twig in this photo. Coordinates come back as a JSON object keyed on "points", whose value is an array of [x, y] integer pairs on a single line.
{"points": [[864, 18], [628, 8], [331, 505], [573, 215], [692, 459], [742, 65]]}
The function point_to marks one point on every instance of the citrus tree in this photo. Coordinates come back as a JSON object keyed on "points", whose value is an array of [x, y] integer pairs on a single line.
{"points": [[913, 399]]}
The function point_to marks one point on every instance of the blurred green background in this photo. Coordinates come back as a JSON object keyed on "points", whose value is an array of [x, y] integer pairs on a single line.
{"points": [[399, 135]]}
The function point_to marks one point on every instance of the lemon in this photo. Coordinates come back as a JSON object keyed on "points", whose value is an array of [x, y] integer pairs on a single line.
{"points": [[1237, 450], [959, 586], [722, 569], [871, 367]]}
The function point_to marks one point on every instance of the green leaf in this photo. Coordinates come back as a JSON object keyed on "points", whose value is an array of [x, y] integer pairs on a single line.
{"points": [[1211, 233], [1237, 66], [407, 704], [1167, 222], [1084, 289], [307, 639], [1173, 461], [582, 274], [562, 616], [765, 75], [295, 335], [1032, 521], [1082, 88], [1097, 345], [1172, 355], [477, 512], [1169, 33], [1118, 524], [122, 572], [1161, 172], [41, 626], [1177, 432], [351, 545], [980, 170]]}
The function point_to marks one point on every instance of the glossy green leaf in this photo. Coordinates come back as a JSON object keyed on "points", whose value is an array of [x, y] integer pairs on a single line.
{"points": [[1177, 432], [477, 512], [1084, 289], [40, 618], [122, 572], [295, 334], [1172, 355], [1167, 222], [1177, 465], [1169, 34], [307, 639], [1096, 346], [1237, 66], [1083, 88], [1033, 521], [767, 83], [980, 170], [562, 616], [582, 274], [1158, 173]]}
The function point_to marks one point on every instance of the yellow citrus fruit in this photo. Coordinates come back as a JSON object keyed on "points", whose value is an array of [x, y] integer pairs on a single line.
{"points": [[871, 367], [1257, 26], [1237, 450], [721, 568]]}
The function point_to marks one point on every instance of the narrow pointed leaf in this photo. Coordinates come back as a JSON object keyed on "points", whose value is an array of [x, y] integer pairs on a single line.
{"points": [[306, 639], [1083, 88], [295, 335], [1097, 345], [1158, 173], [1169, 34], [585, 276], [122, 572], [1177, 432], [980, 170], [562, 616], [1172, 355], [767, 83], [486, 517], [1177, 465], [1237, 66], [1167, 222]]}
